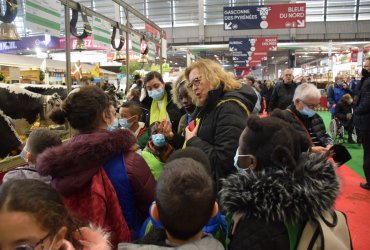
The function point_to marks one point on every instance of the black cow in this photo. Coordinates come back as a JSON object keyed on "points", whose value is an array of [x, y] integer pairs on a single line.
{"points": [[45, 89], [18, 103], [10, 144]]}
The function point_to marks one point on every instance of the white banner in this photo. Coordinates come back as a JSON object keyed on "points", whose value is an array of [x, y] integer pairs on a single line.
{"points": [[101, 33], [43, 16]]}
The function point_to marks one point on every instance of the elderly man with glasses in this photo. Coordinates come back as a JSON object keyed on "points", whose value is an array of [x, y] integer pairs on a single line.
{"points": [[301, 114]]}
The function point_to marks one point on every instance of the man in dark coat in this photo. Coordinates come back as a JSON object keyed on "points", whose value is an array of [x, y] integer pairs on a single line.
{"points": [[283, 92], [362, 119]]}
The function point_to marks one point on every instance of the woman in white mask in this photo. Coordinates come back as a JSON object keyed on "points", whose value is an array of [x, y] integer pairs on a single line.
{"points": [[33, 216], [161, 107]]}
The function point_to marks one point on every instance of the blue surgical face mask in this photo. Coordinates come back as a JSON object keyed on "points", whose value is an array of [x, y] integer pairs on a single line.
{"points": [[113, 126], [23, 153], [307, 111], [236, 158], [159, 140], [156, 94], [124, 123]]}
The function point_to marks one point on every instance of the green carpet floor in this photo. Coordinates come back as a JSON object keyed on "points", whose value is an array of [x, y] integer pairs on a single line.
{"points": [[355, 150]]}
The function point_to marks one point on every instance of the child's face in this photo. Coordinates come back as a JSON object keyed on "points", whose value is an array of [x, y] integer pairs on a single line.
{"points": [[185, 99], [20, 229]]}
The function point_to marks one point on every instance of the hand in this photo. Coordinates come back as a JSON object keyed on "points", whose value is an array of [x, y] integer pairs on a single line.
{"points": [[166, 127], [190, 134], [329, 151], [349, 116], [318, 150]]}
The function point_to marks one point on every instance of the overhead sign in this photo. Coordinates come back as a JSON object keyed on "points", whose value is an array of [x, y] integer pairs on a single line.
{"points": [[248, 52], [276, 16], [43, 16], [101, 32], [30, 42], [240, 45]]}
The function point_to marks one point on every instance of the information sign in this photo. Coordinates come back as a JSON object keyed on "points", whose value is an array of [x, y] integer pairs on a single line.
{"points": [[276, 16]]}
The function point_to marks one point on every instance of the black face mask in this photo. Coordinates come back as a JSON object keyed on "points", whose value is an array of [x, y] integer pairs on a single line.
{"points": [[365, 73]]}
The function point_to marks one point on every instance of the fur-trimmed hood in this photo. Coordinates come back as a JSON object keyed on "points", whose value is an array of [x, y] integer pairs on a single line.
{"points": [[280, 195], [73, 164], [90, 238]]}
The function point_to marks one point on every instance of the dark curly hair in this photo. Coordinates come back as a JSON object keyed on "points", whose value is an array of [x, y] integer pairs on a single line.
{"points": [[83, 108]]}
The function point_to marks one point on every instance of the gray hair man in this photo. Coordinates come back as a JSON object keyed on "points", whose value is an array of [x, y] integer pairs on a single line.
{"points": [[283, 92], [302, 115]]}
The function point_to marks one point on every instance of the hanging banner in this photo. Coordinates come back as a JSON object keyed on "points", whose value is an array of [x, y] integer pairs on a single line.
{"points": [[151, 29], [164, 45], [276, 16], [248, 52], [101, 33], [135, 42], [43, 16], [152, 50]]}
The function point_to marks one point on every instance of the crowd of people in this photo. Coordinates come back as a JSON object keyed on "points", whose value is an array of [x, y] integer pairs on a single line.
{"points": [[164, 168]]}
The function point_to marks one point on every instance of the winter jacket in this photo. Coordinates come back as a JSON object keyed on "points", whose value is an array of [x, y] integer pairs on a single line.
{"points": [[282, 96], [206, 243], [155, 165], [142, 135], [100, 167], [315, 125], [25, 172], [341, 110], [268, 199], [222, 120], [362, 109], [90, 238], [335, 93]]}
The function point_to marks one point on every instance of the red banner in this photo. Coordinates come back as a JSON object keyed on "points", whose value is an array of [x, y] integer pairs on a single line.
{"points": [[151, 29], [286, 16]]}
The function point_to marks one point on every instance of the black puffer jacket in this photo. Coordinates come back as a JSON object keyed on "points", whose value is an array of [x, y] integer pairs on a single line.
{"points": [[362, 109], [222, 120], [281, 96], [267, 199], [315, 123]]}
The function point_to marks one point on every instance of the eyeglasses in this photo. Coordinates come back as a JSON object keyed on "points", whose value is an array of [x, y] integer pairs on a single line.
{"points": [[195, 82], [311, 106], [27, 246]]}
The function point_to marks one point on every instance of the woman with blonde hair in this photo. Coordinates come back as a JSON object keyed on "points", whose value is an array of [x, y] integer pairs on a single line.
{"points": [[222, 107]]}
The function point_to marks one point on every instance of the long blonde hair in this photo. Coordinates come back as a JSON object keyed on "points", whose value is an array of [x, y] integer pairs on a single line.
{"points": [[214, 74]]}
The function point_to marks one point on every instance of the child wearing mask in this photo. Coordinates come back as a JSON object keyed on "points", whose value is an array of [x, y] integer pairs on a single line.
{"points": [[157, 150], [129, 117], [37, 142]]}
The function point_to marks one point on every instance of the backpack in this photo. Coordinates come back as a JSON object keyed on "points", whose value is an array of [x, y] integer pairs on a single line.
{"points": [[327, 231]]}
